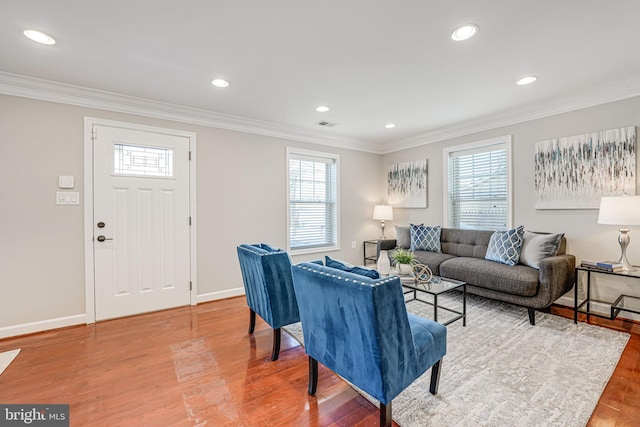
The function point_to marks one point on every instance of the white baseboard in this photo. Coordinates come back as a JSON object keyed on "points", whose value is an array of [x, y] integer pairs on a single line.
{"points": [[565, 300], [42, 325], [81, 319], [212, 296]]}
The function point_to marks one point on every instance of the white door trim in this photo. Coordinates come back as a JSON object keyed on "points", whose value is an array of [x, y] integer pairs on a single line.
{"points": [[89, 122]]}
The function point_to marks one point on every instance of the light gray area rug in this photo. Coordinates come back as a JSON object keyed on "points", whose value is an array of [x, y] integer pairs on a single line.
{"points": [[501, 371], [6, 358]]}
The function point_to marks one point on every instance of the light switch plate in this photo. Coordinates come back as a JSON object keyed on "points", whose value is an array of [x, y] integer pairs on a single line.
{"points": [[67, 198], [65, 181]]}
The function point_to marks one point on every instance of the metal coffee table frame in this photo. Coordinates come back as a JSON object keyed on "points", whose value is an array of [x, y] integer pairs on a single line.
{"points": [[437, 286]]}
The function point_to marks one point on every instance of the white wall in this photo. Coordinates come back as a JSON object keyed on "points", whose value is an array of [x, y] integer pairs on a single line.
{"points": [[586, 239], [240, 199]]}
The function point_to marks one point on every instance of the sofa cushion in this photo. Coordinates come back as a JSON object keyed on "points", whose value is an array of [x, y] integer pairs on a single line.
{"points": [[516, 280], [345, 266], [537, 246], [431, 259], [425, 238], [505, 246]]}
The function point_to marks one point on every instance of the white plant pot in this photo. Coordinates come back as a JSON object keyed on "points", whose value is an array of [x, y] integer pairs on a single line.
{"points": [[404, 269]]}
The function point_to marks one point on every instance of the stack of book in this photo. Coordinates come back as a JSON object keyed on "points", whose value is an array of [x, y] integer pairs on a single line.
{"points": [[602, 265]]}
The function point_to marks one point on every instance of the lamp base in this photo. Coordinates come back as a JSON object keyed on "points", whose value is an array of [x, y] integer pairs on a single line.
{"points": [[624, 239], [626, 266]]}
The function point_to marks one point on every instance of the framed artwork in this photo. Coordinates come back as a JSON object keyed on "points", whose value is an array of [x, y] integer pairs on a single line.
{"points": [[407, 184], [576, 171]]}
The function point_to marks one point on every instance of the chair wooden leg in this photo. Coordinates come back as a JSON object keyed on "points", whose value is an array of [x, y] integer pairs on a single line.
{"points": [[385, 414], [252, 321], [313, 376], [276, 344], [435, 377], [532, 316]]}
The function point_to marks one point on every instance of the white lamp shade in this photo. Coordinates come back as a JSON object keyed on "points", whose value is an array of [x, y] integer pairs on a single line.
{"points": [[621, 210], [383, 212]]}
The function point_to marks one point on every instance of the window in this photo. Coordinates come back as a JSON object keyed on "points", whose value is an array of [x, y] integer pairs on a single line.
{"points": [[144, 161], [478, 179], [312, 180]]}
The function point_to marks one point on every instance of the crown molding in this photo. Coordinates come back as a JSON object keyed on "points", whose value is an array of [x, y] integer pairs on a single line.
{"points": [[46, 90], [609, 92]]}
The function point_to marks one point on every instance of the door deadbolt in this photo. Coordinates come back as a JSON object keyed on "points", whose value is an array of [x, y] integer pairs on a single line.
{"points": [[101, 224], [102, 238]]}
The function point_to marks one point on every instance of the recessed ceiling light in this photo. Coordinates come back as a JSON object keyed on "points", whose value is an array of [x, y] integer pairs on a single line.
{"points": [[465, 32], [39, 37], [390, 125], [220, 83], [526, 80], [322, 108]]}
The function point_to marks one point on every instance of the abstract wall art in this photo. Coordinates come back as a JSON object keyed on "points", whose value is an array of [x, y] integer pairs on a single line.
{"points": [[576, 171], [407, 184]]}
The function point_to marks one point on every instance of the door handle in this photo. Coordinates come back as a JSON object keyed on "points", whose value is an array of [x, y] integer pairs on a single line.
{"points": [[102, 238]]}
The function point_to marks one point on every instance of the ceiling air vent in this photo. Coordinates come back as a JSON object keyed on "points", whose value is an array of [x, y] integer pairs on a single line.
{"points": [[326, 124]]}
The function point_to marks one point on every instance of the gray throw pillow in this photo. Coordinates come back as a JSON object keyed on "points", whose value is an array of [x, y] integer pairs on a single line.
{"points": [[538, 246], [403, 237]]}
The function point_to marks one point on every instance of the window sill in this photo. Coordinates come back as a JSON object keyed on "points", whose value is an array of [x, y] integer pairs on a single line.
{"points": [[314, 250]]}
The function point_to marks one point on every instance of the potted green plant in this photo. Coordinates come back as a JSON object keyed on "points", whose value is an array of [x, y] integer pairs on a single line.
{"points": [[403, 260]]}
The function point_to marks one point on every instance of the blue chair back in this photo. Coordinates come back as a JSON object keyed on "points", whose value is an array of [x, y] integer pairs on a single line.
{"points": [[359, 328], [266, 273]]}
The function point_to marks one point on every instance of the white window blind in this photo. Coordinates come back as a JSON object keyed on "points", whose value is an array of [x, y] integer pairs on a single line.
{"points": [[313, 201], [478, 187]]}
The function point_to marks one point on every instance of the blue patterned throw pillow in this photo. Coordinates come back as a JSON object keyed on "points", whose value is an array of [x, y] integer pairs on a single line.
{"points": [[505, 246], [425, 238]]}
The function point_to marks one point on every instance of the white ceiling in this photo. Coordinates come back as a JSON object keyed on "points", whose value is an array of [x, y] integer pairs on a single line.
{"points": [[372, 62]]}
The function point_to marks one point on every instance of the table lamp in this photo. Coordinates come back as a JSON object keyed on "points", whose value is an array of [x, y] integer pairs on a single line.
{"points": [[624, 211], [383, 213]]}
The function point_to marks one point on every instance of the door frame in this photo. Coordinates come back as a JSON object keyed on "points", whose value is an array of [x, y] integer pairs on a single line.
{"points": [[89, 122]]}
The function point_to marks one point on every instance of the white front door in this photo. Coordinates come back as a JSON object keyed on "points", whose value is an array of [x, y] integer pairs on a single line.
{"points": [[141, 221]]}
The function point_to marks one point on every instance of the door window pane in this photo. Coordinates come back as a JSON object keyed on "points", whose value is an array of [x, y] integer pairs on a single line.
{"points": [[142, 161]]}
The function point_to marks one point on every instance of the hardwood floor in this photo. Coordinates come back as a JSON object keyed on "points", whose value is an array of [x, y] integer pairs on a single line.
{"points": [[618, 405], [197, 365]]}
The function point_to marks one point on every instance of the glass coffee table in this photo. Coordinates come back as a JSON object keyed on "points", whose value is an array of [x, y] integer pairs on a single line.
{"points": [[435, 287]]}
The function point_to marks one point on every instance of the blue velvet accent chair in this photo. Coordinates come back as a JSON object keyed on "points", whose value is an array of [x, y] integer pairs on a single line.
{"points": [[359, 328], [266, 273]]}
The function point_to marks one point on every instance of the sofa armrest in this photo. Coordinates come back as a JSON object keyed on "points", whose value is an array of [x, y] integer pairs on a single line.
{"points": [[557, 276], [385, 245]]}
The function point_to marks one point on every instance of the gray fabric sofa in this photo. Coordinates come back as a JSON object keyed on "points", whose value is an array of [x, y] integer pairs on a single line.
{"points": [[462, 258]]}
